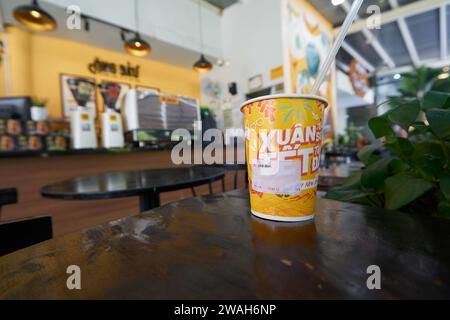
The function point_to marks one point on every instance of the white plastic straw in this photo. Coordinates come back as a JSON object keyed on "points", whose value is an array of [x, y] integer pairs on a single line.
{"points": [[336, 45]]}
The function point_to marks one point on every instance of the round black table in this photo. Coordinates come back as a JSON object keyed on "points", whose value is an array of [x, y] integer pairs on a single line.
{"points": [[146, 184], [211, 247]]}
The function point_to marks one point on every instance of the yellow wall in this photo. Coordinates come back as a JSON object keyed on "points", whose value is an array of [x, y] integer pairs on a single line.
{"points": [[18, 58], [37, 61]]}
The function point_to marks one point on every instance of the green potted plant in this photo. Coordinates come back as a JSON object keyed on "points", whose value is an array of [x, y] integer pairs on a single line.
{"points": [[414, 175], [39, 110]]}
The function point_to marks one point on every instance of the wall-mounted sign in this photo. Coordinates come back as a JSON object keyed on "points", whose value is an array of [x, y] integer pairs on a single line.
{"points": [[105, 67], [276, 73], [255, 82], [85, 90], [358, 78]]}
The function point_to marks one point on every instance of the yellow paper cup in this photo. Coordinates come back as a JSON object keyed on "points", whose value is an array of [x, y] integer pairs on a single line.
{"points": [[283, 141]]}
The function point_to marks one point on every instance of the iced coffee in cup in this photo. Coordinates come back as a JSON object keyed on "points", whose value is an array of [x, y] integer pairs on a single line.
{"points": [[283, 141]]}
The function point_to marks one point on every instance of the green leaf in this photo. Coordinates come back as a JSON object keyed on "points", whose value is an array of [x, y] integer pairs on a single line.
{"points": [[436, 99], [380, 127], [439, 121], [348, 194], [353, 181], [373, 176], [400, 146], [419, 128], [365, 153], [445, 185], [397, 166], [405, 114], [409, 85], [444, 209], [373, 158], [403, 188], [394, 101]]}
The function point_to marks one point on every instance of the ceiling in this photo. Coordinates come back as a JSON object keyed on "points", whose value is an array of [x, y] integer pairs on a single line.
{"points": [[412, 38], [104, 36]]}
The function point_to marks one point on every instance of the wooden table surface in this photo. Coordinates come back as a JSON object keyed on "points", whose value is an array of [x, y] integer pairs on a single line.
{"points": [[210, 247]]}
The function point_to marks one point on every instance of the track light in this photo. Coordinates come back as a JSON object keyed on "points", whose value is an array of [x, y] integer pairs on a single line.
{"points": [[87, 26], [34, 17]]}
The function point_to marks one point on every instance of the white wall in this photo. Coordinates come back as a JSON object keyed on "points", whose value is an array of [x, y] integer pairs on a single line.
{"points": [[251, 37], [346, 98], [252, 44]]}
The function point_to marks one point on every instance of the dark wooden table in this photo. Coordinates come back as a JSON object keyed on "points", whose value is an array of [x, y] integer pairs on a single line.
{"points": [[210, 247], [146, 184], [335, 174]]}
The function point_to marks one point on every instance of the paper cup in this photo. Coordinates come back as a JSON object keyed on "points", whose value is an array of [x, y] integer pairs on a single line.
{"points": [[283, 141]]}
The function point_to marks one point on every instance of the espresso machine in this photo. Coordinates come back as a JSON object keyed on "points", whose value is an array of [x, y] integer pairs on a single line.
{"points": [[112, 130], [150, 117], [82, 126]]}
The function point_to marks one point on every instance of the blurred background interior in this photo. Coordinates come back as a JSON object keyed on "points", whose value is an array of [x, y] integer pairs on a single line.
{"points": [[89, 87]]}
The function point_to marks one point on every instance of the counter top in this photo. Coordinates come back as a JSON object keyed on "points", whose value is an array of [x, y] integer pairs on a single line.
{"points": [[20, 154]]}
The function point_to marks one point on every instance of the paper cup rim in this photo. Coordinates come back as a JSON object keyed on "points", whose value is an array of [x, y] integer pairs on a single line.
{"points": [[281, 96]]}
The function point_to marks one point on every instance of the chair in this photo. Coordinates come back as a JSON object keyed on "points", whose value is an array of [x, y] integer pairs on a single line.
{"points": [[236, 168], [229, 167], [19, 234], [7, 196]]}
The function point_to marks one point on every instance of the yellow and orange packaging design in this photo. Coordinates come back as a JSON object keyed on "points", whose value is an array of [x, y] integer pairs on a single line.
{"points": [[283, 142]]}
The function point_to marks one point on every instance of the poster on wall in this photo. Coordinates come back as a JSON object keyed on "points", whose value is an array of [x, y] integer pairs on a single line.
{"points": [[306, 43], [77, 91], [113, 94]]}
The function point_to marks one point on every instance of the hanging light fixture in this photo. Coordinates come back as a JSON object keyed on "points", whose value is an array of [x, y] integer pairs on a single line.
{"points": [[34, 17], [136, 45], [202, 65]]}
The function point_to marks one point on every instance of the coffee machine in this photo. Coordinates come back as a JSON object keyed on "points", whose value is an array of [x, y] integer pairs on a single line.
{"points": [[112, 130], [82, 126]]}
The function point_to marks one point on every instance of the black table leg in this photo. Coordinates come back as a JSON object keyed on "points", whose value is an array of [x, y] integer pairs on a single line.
{"points": [[210, 187], [149, 200]]}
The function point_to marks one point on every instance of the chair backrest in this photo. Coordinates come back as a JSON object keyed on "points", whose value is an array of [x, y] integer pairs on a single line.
{"points": [[8, 196], [19, 234]]}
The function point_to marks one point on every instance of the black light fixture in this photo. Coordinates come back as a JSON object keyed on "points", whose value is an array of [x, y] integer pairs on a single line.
{"points": [[87, 25], [202, 65], [136, 45], [34, 17]]}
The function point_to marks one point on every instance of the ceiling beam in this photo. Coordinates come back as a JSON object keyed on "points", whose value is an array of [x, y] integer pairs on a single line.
{"points": [[358, 57], [403, 11], [406, 34], [345, 68], [373, 41], [443, 30], [432, 63]]}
